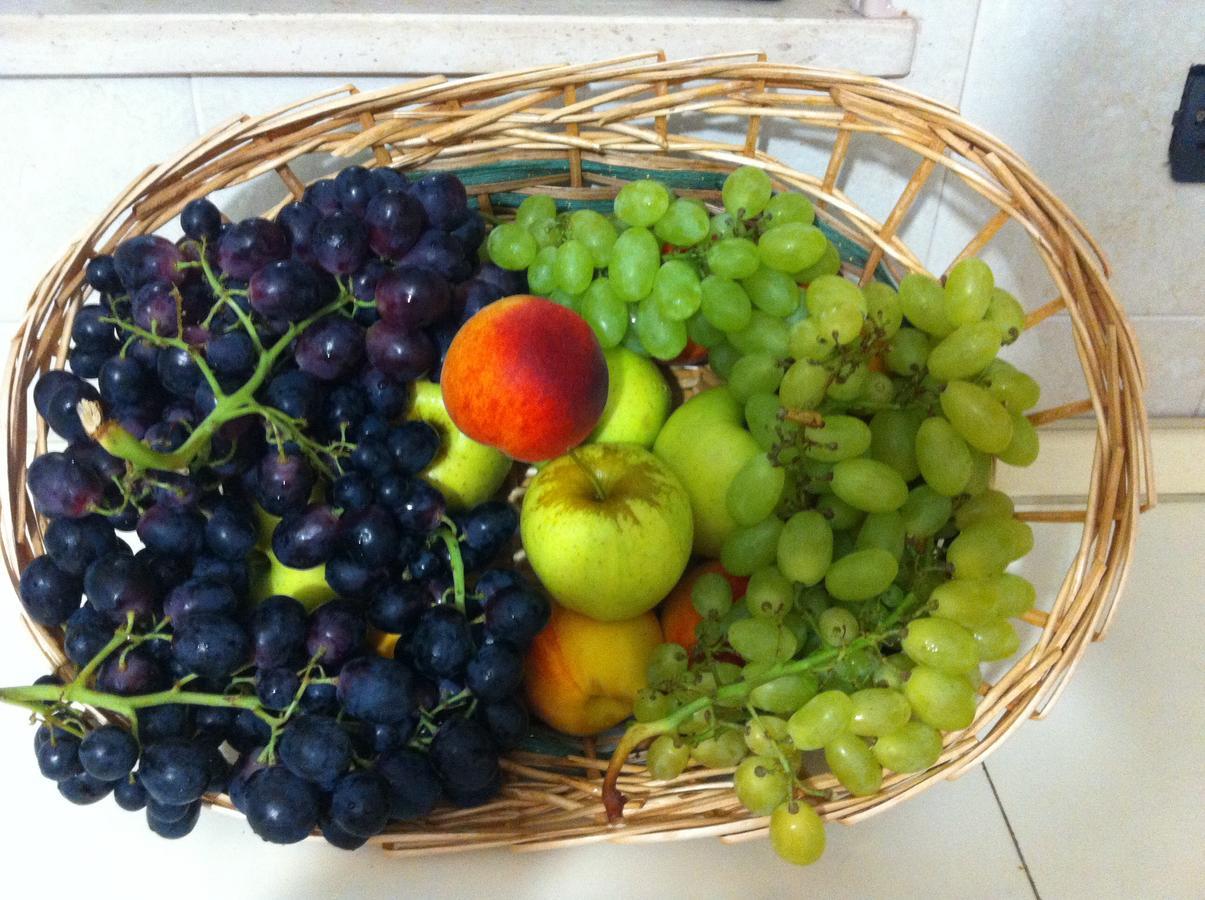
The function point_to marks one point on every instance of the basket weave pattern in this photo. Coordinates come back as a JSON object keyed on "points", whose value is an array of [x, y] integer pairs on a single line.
{"points": [[590, 119]]}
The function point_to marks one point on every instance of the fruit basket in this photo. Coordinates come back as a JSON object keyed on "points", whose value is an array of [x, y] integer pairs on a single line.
{"points": [[577, 133]]}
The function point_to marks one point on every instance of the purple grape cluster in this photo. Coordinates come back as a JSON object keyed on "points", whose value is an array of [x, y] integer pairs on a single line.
{"points": [[264, 367]]}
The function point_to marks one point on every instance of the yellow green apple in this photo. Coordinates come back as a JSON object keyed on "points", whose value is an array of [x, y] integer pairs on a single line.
{"points": [[637, 400], [607, 529], [269, 576], [583, 675], [466, 472], [705, 443]]}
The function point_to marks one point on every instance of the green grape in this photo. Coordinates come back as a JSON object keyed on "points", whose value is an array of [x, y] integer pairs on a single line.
{"points": [[893, 440], [1022, 450], [884, 530], [878, 390], [757, 373], [764, 333], [907, 352], [878, 711], [667, 757], [762, 640], [722, 358], [850, 760], [761, 784], [723, 225], [733, 257], [807, 342], [832, 291], [923, 302], [849, 386], [541, 274], [703, 333], [842, 323], [861, 574], [746, 192], [940, 644], [595, 231], [869, 485], [829, 263], [844, 541], [711, 595], [684, 224], [785, 694], [981, 473], [663, 338], [764, 734], [651, 704], [1011, 387], [968, 602], [912, 747], [996, 639], [817, 477], [805, 547], [565, 299], [641, 203], [840, 515], [677, 290], [820, 720], [837, 626], [788, 207], [700, 720], [968, 291], [797, 833], [988, 505], [771, 291], [967, 350], [977, 416], [841, 437], [755, 490], [925, 512], [762, 416], [985, 548], [803, 385], [511, 246], [606, 313], [635, 259], [667, 664], [939, 699], [1014, 595], [547, 232], [535, 208], [746, 550], [1006, 314], [727, 673], [769, 593], [791, 246], [723, 751], [943, 456], [574, 267], [725, 304], [883, 308]]}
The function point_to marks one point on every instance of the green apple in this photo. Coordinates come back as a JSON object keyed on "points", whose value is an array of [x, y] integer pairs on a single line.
{"points": [[607, 529], [269, 576], [637, 400], [705, 443], [466, 472]]}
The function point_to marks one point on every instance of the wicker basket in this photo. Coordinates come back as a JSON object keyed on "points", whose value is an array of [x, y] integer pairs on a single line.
{"points": [[577, 133]]}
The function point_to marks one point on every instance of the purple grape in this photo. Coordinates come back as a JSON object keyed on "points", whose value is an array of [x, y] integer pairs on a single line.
{"points": [[360, 804], [166, 720], [90, 332], [231, 354], [472, 296], [201, 220], [443, 198], [234, 573], [397, 606], [470, 233], [340, 243], [440, 643], [280, 807], [230, 532], [297, 220], [131, 673], [315, 748], [49, 594], [345, 407], [369, 536], [516, 616], [390, 180], [197, 595], [82, 789], [421, 507], [248, 246], [130, 794], [494, 672], [464, 756], [276, 688], [60, 486], [278, 631], [492, 582], [356, 188], [101, 274], [371, 458], [352, 491], [331, 348], [86, 363], [410, 298], [506, 720], [124, 381], [349, 577], [364, 282], [165, 437], [440, 252], [395, 221], [490, 525], [172, 530], [174, 771], [296, 394], [211, 645], [413, 446], [323, 196], [118, 585], [145, 258], [285, 483], [156, 307], [86, 634], [320, 700], [108, 753], [377, 690], [387, 396], [178, 372], [62, 408], [504, 279], [336, 630], [414, 789], [442, 334], [399, 353], [286, 290], [47, 385], [308, 538]]}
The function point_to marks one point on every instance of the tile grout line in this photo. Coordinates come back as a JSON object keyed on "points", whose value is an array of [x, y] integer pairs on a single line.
{"points": [[1012, 834]]}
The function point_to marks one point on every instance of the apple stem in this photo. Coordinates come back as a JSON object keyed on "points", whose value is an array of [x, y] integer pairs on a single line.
{"points": [[599, 493]]}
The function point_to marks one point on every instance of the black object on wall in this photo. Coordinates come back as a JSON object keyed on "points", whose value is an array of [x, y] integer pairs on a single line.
{"points": [[1187, 151]]}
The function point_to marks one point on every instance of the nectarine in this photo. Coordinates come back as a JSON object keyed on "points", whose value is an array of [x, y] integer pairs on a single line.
{"points": [[527, 376], [583, 675]]}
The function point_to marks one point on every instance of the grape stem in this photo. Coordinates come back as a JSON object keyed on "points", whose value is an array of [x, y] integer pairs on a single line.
{"points": [[448, 535]]}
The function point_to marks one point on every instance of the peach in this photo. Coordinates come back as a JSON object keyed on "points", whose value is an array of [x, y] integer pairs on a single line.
{"points": [[678, 615], [527, 376], [582, 675]]}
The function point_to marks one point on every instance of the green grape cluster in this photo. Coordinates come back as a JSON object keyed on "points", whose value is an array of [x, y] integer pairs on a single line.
{"points": [[874, 548]]}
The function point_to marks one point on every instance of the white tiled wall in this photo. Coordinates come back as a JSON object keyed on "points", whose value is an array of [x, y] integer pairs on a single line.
{"points": [[1084, 91]]}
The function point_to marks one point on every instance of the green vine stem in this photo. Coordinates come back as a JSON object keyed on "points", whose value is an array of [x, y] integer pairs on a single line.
{"points": [[448, 535]]}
